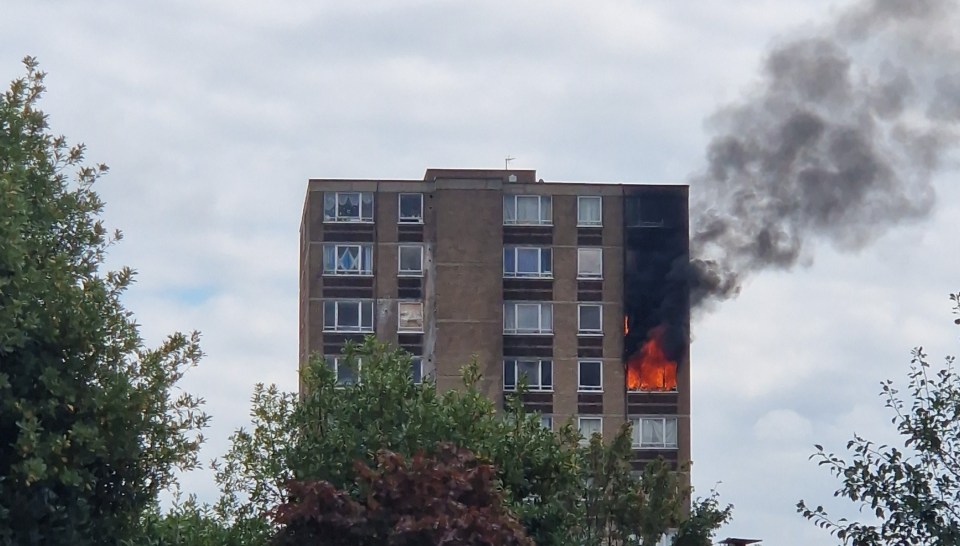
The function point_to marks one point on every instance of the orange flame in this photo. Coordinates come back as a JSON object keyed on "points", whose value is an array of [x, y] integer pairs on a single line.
{"points": [[649, 369], [626, 325]]}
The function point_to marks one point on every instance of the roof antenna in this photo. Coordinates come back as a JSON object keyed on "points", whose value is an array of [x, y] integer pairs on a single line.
{"points": [[506, 162]]}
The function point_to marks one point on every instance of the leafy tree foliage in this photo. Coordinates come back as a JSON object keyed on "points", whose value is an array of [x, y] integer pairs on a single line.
{"points": [[447, 498], [913, 490], [560, 492], [91, 428]]}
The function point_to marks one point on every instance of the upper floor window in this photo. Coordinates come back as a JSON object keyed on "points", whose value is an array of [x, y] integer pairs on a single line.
{"points": [[527, 209], [410, 258], [348, 316], [589, 426], [589, 319], [347, 206], [589, 211], [590, 376], [342, 259], [527, 318], [654, 432], [410, 206], [538, 374], [409, 317], [521, 261], [589, 263], [346, 373]]}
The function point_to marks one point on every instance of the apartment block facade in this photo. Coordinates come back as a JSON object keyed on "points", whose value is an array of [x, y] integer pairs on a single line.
{"points": [[571, 286]]}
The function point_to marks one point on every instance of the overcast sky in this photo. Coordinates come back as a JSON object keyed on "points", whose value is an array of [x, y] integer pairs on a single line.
{"points": [[213, 114]]}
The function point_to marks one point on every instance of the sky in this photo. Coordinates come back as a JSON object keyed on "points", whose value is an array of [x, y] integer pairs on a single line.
{"points": [[213, 114]]}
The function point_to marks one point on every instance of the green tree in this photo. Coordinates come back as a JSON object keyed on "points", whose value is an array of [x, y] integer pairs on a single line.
{"points": [[92, 427], [913, 490]]}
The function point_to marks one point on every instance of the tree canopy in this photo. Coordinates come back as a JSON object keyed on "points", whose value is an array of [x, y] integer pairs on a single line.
{"points": [[91, 426]]}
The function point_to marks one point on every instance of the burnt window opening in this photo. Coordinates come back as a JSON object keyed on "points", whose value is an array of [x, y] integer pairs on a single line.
{"points": [[527, 262], [527, 210], [410, 207], [347, 206], [589, 211], [650, 368]]}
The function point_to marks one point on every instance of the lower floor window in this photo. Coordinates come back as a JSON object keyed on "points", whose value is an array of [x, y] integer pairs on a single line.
{"points": [[588, 427], [546, 421], [346, 372], [654, 432], [538, 374], [416, 370]]}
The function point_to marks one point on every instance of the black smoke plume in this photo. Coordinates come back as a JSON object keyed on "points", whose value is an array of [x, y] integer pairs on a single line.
{"points": [[838, 143]]}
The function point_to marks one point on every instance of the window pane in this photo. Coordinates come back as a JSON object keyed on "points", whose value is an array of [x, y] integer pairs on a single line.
{"points": [[411, 209], [348, 315], [670, 433], [367, 265], [528, 209], [546, 321], [367, 206], [635, 432], [590, 426], [410, 259], [329, 206], [348, 205], [509, 374], [416, 370], [590, 375], [528, 261], [589, 262], [546, 374], [509, 317], [366, 309], [652, 433], [528, 318], [509, 261], [348, 259], [588, 211], [546, 261], [546, 209], [531, 370], [589, 318], [329, 314], [546, 421], [331, 362], [509, 209], [346, 372], [329, 258]]}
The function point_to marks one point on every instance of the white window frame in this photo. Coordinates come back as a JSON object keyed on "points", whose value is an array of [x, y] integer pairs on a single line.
{"points": [[336, 360], [585, 440], [409, 273], [366, 269], [665, 421], [580, 330], [359, 219], [409, 219], [580, 222], [400, 328], [363, 306], [544, 213], [589, 276], [515, 274], [543, 327], [539, 386], [589, 388]]}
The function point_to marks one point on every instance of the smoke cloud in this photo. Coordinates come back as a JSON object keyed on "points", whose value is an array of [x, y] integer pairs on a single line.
{"points": [[838, 143]]}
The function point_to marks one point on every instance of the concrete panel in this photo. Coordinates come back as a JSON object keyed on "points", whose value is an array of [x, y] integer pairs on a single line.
{"points": [[565, 220], [565, 273], [385, 207]]}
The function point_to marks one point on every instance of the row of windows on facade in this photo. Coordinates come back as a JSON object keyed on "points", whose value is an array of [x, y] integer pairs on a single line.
{"points": [[519, 318], [347, 206], [656, 432], [518, 261]]}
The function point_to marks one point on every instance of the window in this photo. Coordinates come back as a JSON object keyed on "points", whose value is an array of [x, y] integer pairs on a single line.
{"points": [[416, 370], [411, 260], [589, 426], [347, 206], [546, 421], [590, 376], [538, 374], [527, 209], [589, 211], [527, 318], [347, 259], [410, 206], [521, 261], [347, 373], [654, 432], [410, 316], [590, 321], [589, 263], [347, 316]]}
